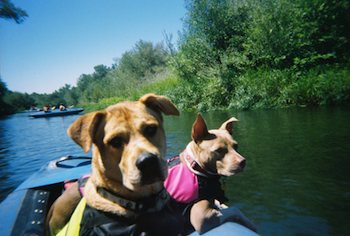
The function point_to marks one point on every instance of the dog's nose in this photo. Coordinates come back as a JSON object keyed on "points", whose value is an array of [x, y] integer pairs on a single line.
{"points": [[242, 164], [147, 162], [149, 166]]}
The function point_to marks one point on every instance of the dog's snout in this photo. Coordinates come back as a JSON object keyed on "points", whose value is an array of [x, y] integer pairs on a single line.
{"points": [[149, 167], [242, 164], [147, 161]]}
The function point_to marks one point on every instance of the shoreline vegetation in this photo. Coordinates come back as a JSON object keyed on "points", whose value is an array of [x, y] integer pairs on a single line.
{"points": [[276, 89], [231, 55]]}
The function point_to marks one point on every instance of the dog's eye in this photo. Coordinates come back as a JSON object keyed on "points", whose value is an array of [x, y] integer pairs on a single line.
{"points": [[235, 146], [150, 130], [116, 142], [221, 151]]}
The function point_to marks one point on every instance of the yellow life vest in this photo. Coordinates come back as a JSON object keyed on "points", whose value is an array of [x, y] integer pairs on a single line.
{"points": [[72, 228]]}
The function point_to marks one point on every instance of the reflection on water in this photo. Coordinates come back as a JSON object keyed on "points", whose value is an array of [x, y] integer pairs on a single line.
{"points": [[297, 179], [26, 144]]}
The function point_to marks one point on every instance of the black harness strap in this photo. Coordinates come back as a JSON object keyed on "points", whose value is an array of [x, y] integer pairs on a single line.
{"points": [[153, 203]]}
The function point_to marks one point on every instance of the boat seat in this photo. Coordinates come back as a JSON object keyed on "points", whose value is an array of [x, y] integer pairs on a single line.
{"points": [[31, 216]]}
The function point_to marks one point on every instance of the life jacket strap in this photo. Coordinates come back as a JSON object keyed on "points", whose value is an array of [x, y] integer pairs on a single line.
{"points": [[72, 228]]}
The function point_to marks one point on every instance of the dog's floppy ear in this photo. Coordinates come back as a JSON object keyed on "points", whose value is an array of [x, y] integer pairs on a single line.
{"points": [[82, 131], [160, 104], [227, 125], [199, 129]]}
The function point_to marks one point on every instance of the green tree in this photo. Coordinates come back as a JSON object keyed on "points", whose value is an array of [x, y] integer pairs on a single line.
{"points": [[284, 33], [221, 23], [4, 107], [83, 84], [3, 88], [100, 71], [144, 60], [330, 37], [9, 11], [213, 34], [19, 101], [92, 87], [238, 35], [277, 33], [71, 96]]}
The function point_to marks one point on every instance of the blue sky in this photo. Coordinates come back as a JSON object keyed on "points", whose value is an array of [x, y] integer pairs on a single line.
{"points": [[62, 39]]}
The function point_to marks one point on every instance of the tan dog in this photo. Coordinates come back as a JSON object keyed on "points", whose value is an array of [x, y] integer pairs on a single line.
{"points": [[128, 163], [194, 182]]}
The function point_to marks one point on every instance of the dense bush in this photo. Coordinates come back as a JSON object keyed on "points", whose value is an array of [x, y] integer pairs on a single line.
{"points": [[268, 88], [276, 33], [255, 53]]}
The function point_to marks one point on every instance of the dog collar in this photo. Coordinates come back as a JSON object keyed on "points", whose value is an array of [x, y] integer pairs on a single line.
{"points": [[194, 166], [153, 203]]}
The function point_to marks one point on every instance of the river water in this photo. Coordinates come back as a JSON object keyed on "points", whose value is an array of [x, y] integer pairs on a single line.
{"points": [[297, 178]]}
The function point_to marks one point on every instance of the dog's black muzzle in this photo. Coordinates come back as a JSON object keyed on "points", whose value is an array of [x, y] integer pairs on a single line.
{"points": [[150, 169]]}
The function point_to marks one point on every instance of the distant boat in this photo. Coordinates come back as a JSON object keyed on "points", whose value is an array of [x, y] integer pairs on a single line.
{"points": [[68, 111]]}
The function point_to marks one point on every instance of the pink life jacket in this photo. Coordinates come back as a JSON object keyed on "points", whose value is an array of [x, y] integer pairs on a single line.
{"points": [[188, 182], [181, 183]]}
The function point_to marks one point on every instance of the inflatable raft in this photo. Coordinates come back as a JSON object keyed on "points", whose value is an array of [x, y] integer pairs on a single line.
{"points": [[24, 211], [68, 111]]}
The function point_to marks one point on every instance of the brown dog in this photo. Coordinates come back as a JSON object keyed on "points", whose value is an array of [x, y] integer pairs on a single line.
{"points": [[128, 168], [193, 183]]}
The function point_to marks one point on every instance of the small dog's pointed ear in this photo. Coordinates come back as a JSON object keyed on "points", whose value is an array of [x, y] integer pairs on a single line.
{"points": [[227, 125], [160, 104], [199, 129], [83, 130]]}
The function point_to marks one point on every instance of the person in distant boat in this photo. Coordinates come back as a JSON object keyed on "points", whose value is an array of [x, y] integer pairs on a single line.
{"points": [[46, 108], [62, 107]]}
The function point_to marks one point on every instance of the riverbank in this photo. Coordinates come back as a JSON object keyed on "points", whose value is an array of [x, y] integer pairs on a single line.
{"points": [[260, 88]]}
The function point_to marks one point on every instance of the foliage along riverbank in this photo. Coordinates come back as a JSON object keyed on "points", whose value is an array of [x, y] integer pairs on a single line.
{"points": [[231, 54], [261, 88]]}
